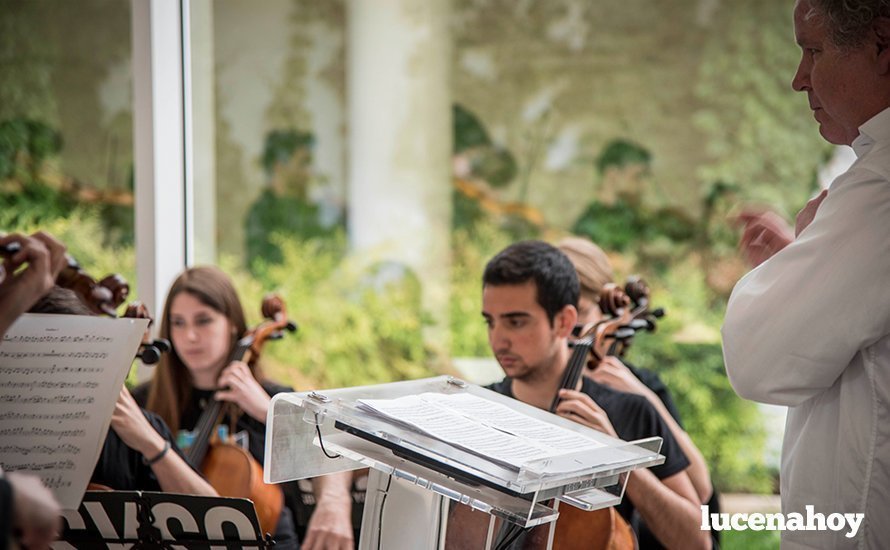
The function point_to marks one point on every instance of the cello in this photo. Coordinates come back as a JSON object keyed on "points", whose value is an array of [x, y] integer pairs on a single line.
{"points": [[603, 528], [629, 313], [575, 528], [104, 298], [228, 467]]}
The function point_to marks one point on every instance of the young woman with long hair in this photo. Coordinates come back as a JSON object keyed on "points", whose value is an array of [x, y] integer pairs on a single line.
{"points": [[203, 319]]}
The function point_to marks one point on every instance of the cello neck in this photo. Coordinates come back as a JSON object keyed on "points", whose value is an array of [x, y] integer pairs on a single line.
{"points": [[210, 417], [574, 368]]}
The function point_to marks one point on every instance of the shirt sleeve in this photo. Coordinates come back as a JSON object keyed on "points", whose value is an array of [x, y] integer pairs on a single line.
{"points": [[794, 323]]}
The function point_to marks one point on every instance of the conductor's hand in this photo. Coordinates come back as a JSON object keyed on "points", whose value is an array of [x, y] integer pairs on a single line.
{"points": [[808, 212], [764, 234], [37, 515], [330, 527], [579, 407], [130, 424], [240, 387]]}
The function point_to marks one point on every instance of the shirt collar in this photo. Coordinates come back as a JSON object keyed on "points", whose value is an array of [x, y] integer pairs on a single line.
{"points": [[875, 129]]}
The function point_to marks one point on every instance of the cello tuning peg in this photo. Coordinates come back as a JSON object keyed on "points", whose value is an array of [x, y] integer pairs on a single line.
{"points": [[149, 355], [10, 248]]}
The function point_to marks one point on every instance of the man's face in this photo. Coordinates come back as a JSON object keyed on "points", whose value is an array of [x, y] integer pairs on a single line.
{"points": [[840, 83], [519, 332]]}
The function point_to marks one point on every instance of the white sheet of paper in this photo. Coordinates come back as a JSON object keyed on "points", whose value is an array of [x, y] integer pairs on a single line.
{"points": [[511, 421], [482, 426], [60, 376]]}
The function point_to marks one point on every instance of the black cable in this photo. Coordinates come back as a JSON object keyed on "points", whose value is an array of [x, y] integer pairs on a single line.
{"points": [[320, 442], [380, 516], [511, 536]]}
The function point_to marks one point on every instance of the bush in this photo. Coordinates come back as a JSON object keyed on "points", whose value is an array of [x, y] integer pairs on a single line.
{"points": [[357, 325], [686, 352], [471, 250]]}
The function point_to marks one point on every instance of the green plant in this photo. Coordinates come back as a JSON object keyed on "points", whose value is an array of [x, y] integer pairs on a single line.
{"points": [[471, 250], [619, 153], [750, 540], [685, 351], [24, 145], [358, 325]]}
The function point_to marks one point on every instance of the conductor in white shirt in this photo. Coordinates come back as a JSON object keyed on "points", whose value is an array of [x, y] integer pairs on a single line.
{"points": [[810, 327]]}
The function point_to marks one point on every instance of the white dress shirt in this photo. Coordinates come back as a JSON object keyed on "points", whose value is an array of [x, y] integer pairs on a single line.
{"points": [[810, 329]]}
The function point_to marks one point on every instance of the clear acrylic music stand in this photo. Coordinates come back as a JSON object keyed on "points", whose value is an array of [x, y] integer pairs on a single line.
{"points": [[420, 474]]}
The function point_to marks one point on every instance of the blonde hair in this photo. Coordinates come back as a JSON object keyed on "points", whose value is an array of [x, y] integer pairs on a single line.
{"points": [[591, 263]]}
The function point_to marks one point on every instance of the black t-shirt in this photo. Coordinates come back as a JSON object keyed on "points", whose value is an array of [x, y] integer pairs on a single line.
{"points": [[6, 513], [121, 468], [633, 418], [652, 381], [285, 533], [256, 430]]}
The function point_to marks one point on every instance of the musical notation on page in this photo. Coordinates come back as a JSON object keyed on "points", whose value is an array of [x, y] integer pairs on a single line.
{"points": [[482, 427], [60, 376]]}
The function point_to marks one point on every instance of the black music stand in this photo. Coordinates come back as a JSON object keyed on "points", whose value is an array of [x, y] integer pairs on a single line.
{"points": [[162, 520]]}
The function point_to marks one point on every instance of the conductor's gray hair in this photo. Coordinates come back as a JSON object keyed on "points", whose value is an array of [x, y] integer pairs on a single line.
{"points": [[848, 21]]}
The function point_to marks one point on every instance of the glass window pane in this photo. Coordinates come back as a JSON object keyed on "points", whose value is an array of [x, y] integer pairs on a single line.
{"points": [[66, 146]]}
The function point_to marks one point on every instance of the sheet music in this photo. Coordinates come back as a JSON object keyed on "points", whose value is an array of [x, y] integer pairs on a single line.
{"points": [[60, 376], [513, 422], [481, 426]]}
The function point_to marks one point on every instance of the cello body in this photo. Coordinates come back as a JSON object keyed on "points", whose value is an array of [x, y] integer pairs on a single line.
{"points": [[604, 529], [233, 472], [575, 529]]}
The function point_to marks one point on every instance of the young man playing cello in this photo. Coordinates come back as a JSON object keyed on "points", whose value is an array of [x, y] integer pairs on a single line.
{"points": [[529, 298]]}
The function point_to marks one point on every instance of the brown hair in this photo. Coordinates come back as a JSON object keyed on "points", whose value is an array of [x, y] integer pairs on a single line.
{"points": [[60, 301], [591, 263], [171, 386]]}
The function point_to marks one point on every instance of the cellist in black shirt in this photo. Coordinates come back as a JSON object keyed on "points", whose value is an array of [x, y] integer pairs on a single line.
{"points": [[529, 298]]}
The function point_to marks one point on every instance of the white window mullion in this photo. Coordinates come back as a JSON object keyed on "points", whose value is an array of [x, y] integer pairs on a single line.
{"points": [[159, 148]]}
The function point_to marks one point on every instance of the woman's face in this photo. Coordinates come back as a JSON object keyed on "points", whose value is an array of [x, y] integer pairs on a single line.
{"points": [[201, 335], [588, 312]]}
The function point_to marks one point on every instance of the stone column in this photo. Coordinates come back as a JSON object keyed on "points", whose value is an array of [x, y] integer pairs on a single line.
{"points": [[400, 140]]}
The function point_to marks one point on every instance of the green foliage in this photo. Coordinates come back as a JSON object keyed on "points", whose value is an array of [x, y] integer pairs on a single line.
{"points": [[468, 130], [281, 145], [756, 131], [25, 144], [80, 230], [624, 223], [466, 212], [619, 153], [471, 251], [727, 429], [358, 325], [33, 205], [685, 351], [495, 165], [288, 214], [750, 540]]}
